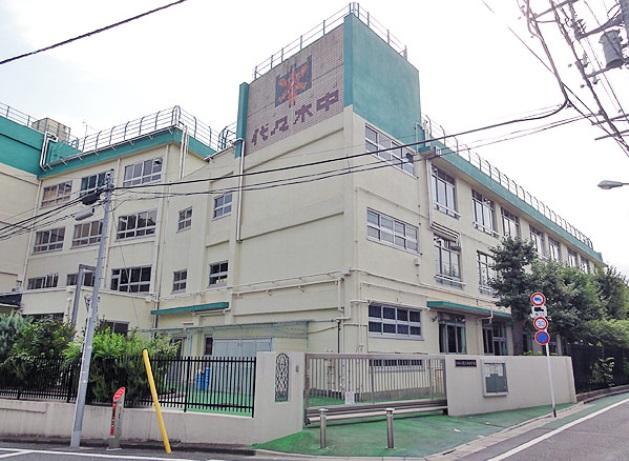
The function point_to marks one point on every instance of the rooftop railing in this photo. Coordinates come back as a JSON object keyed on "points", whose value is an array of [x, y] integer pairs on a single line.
{"points": [[321, 29], [16, 116], [435, 131]]}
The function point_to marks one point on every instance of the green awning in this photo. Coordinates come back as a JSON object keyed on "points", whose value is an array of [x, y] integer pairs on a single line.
{"points": [[193, 308], [465, 309]]}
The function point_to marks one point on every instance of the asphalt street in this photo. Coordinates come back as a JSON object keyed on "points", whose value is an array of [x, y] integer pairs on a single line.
{"points": [[603, 437]]}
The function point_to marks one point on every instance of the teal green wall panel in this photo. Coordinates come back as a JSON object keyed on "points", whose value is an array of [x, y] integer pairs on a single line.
{"points": [[381, 84], [20, 146]]}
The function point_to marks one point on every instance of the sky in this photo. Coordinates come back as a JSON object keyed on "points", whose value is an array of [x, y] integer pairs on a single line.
{"points": [[472, 71]]}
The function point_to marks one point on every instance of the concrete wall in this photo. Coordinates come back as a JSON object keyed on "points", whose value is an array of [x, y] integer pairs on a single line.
{"points": [[54, 419], [527, 380]]}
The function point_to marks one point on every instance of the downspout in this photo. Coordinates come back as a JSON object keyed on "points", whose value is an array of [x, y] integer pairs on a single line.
{"points": [[241, 169], [183, 151], [30, 237], [159, 239], [44, 149]]}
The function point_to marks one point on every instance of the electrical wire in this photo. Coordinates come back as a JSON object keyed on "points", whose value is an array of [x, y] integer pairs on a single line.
{"points": [[90, 33]]}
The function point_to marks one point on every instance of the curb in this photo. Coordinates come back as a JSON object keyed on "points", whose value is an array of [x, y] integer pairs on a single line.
{"points": [[238, 450], [588, 397]]}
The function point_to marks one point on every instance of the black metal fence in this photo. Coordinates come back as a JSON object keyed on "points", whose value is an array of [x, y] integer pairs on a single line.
{"points": [[593, 369], [201, 384]]}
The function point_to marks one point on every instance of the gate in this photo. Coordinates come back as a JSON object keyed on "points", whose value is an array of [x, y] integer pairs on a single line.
{"points": [[343, 382]]}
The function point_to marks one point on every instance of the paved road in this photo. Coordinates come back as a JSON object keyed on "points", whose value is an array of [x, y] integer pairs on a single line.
{"points": [[603, 437]]}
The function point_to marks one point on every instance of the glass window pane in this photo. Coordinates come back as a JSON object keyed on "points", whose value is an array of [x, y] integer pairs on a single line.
{"points": [[375, 327], [388, 328], [414, 316], [388, 313], [375, 311]]}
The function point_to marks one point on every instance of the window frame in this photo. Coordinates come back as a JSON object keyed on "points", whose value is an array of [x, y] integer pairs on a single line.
{"points": [[491, 340], [48, 281], [482, 202], [396, 154], [437, 177], [49, 245], [136, 231], [394, 233], [99, 181], [442, 247], [221, 211], [484, 262], [63, 194], [542, 237], [180, 285], [88, 279], [457, 322], [396, 322], [552, 243], [113, 325], [117, 279], [90, 238], [184, 220], [143, 177], [218, 278], [511, 218], [573, 259]]}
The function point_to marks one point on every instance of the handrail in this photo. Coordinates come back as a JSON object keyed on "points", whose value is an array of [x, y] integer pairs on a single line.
{"points": [[321, 29], [435, 131]]}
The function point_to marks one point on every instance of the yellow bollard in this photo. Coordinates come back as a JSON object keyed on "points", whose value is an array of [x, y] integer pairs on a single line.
{"points": [[158, 408]]}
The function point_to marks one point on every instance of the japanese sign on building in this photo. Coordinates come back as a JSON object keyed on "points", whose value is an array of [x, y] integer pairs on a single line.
{"points": [[302, 91]]}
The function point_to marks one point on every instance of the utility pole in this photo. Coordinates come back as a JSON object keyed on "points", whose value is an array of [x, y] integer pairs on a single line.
{"points": [[75, 440]]}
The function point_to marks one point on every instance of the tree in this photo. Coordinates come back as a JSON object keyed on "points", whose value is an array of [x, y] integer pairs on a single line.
{"points": [[614, 292], [513, 283], [571, 297], [613, 332], [10, 327]]}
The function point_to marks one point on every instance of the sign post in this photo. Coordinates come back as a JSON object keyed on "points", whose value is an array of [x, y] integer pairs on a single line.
{"points": [[540, 322], [115, 429]]}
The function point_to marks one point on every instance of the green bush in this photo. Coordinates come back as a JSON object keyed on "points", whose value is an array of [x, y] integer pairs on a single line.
{"points": [[11, 325], [117, 361], [38, 344], [603, 371]]}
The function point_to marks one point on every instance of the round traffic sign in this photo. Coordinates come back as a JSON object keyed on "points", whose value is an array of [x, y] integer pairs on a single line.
{"points": [[538, 298], [540, 323], [542, 337]]}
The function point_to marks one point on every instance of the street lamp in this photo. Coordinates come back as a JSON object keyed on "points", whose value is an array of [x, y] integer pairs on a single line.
{"points": [[606, 184]]}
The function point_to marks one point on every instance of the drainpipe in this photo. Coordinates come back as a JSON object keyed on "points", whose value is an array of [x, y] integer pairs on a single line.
{"points": [[160, 241], [241, 169], [27, 253], [44, 149], [183, 151]]}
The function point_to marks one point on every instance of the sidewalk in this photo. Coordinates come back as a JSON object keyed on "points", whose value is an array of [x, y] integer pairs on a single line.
{"points": [[415, 437]]}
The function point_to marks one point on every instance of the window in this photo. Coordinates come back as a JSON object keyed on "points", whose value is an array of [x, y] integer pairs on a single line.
{"points": [[87, 233], [58, 193], [394, 321], [494, 337], [131, 279], [510, 224], [391, 231], [180, 279], [47, 281], [88, 279], [484, 213], [91, 183], [572, 259], [218, 273], [223, 205], [537, 237], [49, 240], [443, 192], [585, 265], [121, 328], [554, 250], [143, 172], [56, 317], [486, 273], [401, 157], [137, 225], [448, 262], [185, 219], [208, 345], [452, 334]]}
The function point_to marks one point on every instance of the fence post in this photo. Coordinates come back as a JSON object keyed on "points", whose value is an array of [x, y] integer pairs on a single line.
{"points": [[323, 423], [185, 405], [69, 383], [390, 442]]}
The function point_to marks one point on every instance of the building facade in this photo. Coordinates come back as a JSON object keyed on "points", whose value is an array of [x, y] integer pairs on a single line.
{"points": [[336, 217]]}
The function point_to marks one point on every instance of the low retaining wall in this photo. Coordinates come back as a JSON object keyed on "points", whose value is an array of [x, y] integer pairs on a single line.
{"points": [[526, 385], [271, 419]]}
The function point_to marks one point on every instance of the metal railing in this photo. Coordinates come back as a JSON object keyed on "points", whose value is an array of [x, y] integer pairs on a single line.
{"points": [[321, 29], [435, 131], [338, 379], [15, 115], [215, 384]]}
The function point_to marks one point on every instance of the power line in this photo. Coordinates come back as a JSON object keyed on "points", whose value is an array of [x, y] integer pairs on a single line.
{"points": [[361, 154], [93, 32]]}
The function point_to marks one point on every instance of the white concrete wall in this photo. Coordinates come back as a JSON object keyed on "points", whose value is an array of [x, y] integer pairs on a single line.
{"points": [[527, 381], [54, 419]]}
